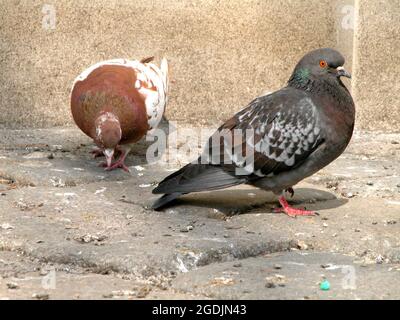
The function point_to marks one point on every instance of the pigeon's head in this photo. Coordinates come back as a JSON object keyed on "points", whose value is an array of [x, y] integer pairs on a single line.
{"points": [[324, 64], [108, 134]]}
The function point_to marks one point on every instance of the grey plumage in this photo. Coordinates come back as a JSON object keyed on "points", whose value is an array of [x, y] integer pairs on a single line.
{"points": [[296, 131]]}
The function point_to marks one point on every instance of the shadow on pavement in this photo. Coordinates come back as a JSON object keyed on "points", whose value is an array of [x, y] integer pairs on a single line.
{"points": [[242, 201]]}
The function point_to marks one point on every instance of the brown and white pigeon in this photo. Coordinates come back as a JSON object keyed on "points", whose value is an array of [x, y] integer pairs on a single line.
{"points": [[117, 102], [283, 137]]}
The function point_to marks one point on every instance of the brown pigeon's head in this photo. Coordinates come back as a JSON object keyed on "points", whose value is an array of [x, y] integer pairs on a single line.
{"points": [[324, 64], [108, 134]]}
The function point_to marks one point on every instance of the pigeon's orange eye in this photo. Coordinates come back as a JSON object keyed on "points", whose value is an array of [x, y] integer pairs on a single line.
{"points": [[323, 64]]}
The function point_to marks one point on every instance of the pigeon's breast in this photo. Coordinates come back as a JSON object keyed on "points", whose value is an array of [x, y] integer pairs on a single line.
{"points": [[337, 117], [110, 88]]}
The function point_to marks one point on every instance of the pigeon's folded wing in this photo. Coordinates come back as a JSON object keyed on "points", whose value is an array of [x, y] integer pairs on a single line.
{"points": [[274, 133]]}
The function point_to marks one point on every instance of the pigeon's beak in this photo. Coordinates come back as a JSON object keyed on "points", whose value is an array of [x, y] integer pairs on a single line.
{"points": [[341, 72], [109, 153]]}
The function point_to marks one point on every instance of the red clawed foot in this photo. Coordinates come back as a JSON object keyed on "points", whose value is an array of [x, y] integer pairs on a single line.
{"points": [[116, 165], [292, 212], [120, 163]]}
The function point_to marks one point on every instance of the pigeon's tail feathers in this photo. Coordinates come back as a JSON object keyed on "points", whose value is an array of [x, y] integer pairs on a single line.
{"points": [[147, 59], [164, 200], [196, 178]]}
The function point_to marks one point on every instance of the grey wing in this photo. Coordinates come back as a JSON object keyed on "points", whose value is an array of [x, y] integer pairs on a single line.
{"points": [[277, 134]]}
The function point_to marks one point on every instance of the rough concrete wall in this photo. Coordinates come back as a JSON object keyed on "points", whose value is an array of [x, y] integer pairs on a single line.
{"points": [[222, 54], [376, 84]]}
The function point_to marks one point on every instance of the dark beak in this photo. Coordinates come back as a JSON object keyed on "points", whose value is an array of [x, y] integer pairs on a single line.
{"points": [[341, 72]]}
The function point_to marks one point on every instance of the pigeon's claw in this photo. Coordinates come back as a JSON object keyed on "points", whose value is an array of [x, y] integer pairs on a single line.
{"points": [[291, 191], [120, 163], [117, 165], [292, 212]]}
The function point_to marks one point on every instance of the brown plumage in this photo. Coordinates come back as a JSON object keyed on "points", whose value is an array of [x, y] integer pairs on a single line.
{"points": [[117, 102]]}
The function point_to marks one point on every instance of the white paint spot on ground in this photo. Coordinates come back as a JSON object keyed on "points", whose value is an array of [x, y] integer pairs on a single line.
{"points": [[144, 185], [6, 226], [35, 155], [348, 175], [100, 190], [181, 266], [393, 202], [335, 267], [66, 194], [296, 263]]}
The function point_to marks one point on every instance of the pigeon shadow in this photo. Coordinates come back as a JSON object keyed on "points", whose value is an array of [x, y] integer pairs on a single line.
{"points": [[244, 201]]}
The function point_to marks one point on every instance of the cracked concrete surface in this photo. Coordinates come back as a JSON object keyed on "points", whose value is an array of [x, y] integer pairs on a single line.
{"points": [[69, 230]]}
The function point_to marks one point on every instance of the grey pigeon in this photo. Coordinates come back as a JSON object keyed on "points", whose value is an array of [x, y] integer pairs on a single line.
{"points": [[291, 134]]}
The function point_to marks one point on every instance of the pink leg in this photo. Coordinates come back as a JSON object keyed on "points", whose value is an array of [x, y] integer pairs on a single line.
{"points": [[290, 211], [120, 163]]}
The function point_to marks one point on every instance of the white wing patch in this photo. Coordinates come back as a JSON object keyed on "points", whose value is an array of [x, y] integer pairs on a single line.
{"points": [[155, 100]]}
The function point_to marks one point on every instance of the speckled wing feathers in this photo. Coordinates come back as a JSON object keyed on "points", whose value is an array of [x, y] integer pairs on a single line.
{"points": [[285, 132]]}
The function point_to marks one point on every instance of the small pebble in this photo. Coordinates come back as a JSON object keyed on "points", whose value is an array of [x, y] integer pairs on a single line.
{"points": [[379, 259], [302, 245], [270, 285], [237, 265], [6, 226], [349, 195], [369, 183], [12, 285], [143, 292], [41, 296], [43, 272]]}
